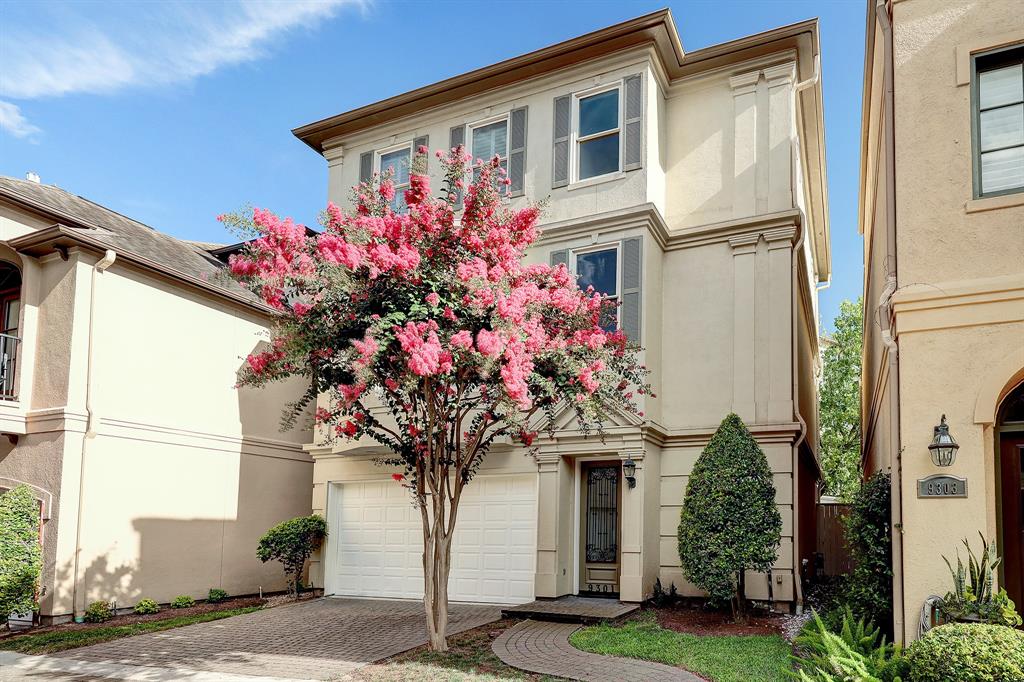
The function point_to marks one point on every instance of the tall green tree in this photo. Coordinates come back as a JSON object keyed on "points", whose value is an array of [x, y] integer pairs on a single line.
{"points": [[729, 523], [21, 560], [840, 402]]}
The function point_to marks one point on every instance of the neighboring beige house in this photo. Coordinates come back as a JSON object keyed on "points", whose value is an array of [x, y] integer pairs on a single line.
{"points": [[118, 356], [689, 185], [942, 214]]}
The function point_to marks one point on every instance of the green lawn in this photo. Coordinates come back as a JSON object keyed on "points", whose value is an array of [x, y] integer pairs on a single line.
{"points": [[73, 637], [759, 658]]}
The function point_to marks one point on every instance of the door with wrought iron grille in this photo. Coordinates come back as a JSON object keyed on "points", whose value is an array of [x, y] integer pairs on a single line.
{"points": [[599, 536]]}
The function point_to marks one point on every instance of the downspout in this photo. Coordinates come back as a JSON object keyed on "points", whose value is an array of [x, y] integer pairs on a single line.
{"points": [[90, 425], [798, 87], [885, 307]]}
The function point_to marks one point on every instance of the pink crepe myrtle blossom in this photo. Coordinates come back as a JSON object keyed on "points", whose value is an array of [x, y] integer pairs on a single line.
{"points": [[431, 316]]}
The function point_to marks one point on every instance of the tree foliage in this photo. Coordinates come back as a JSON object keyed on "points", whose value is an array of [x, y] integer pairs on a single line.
{"points": [[840, 403], [430, 317], [729, 523], [21, 560], [869, 537], [292, 542]]}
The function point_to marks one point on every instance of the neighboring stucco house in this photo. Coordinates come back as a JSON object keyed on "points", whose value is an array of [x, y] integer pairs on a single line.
{"points": [[119, 351], [691, 186], [942, 214]]}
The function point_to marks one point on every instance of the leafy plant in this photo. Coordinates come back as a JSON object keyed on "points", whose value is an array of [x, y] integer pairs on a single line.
{"points": [[292, 542], [858, 646], [216, 595], [868, 534], [98, 612], [729, 523], [146, 606], [662, 598], [967, 652], [21, 559], [840, 403], [182, 601], [973, 594]]}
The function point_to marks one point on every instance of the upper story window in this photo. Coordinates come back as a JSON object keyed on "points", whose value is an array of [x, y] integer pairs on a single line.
{"points": [[10, 339], [399, 161], [596, 126], [599, 268], [999, 122], [490, 140]]}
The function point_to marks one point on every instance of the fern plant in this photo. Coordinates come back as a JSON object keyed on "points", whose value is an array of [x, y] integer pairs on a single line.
{"points": [[858, 651]]}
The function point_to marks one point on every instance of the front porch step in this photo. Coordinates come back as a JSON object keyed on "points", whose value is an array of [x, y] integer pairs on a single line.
{"points": [[572, 609]]}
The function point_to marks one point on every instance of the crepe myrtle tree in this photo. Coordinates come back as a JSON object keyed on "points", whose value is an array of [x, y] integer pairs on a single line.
{"points": [[433, 319]]}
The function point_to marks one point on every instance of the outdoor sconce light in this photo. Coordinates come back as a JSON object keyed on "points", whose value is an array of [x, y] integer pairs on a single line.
{"points": [[943, 448], [629, 471]]}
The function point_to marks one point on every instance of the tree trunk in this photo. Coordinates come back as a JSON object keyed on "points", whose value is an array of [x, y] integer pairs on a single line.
{"points": [[740, 611], [436, 567]]}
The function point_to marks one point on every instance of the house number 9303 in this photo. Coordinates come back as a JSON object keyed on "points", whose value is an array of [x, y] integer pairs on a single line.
{"points": [[942, 485]]}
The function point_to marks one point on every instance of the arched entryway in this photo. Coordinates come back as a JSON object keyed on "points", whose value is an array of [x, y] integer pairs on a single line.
{"points": [[1010, 433], [10, 315]]}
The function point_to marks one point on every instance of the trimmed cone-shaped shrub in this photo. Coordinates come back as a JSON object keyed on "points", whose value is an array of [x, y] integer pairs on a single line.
{"points": [[729, 523], [968, 652], [21, 560], [869, 537]]}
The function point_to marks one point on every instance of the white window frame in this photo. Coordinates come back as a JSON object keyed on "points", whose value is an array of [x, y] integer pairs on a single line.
{"points": [[379, 155], [607, 246], [575, 140], [471, 128]]}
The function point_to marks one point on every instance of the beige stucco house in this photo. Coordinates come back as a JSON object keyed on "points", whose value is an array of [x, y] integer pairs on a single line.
{"points": [[690, 185], [118, 353], [942, 214]]}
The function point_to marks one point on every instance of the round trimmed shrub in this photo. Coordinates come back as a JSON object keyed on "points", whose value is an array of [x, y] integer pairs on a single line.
{"points": [[146, 606], [216, 595], [292, 542], [968, 652], [98, 612], [182, 601]]}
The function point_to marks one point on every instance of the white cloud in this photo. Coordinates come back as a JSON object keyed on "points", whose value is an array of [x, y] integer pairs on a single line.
{"points": [[51, 49], [14, 123]]}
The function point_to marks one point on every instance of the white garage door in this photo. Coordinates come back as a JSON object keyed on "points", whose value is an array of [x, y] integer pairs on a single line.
{"points": [[376, 541]]}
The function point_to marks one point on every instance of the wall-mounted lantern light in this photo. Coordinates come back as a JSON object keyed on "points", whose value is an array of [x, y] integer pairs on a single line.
{"points": [[629, 471], [943, 448]]}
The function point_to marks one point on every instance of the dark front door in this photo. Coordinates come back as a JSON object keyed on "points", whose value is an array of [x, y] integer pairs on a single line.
{"points": [[600, 529], [1012, 480]]}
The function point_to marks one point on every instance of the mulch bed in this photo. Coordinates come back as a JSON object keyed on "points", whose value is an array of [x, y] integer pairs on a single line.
{"points": [[698, 621], [165, 613]]}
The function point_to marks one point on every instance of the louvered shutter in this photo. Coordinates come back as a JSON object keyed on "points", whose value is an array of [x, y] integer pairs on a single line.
{"points": [[632, 154], [517, 151], [457, 137], [629, 311], [418, 159], [560, 257], [560, 145], [365, 166]]}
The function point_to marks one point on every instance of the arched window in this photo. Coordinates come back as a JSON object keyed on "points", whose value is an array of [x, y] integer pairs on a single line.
{"points": [[10, 314]]}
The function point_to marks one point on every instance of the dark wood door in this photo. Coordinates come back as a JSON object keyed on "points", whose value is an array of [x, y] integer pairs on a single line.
{"points": [[1012, 479]]}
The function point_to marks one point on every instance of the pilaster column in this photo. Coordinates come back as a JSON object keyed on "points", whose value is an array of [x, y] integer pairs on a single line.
{"points": [[744, 94], [744, 249], [631, 525], [780, 323], [554, 525], [781, 124]]}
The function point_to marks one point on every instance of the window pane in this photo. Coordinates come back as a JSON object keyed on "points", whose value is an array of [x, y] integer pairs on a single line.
{"points": [[399, 161], [598, 269], [1002, 170], [599, 156], [599, 113], [1002, 127], [1001, 86], [489, 140]]}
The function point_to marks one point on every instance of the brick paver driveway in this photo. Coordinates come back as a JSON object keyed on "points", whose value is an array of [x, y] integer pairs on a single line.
{"points": [[323, 639]]}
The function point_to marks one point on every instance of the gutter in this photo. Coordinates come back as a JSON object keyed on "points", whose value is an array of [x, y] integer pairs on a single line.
{"points": [[889, 336], [90, 429]]}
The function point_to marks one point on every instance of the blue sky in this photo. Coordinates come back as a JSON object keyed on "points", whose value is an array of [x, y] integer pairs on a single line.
{"points": [[172, 113]]}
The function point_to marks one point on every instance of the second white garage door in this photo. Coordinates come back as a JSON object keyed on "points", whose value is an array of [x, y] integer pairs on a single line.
{"points": [[376, 541]]}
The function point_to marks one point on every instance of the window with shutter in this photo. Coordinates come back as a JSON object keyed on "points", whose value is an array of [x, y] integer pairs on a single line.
{"points": [[598, 267], [421, 142], [457, 138], [487, 140], [365, 166], [517, 152], [597, 132], [397, 161], [633, 129], [560, 146]]}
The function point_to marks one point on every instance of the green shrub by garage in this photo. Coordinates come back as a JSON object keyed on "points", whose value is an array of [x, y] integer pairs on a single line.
{"points": [[21, 559], [968, 652]]}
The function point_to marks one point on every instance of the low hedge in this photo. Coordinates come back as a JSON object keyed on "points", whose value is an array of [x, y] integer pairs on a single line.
{"points": [[968, 652]]}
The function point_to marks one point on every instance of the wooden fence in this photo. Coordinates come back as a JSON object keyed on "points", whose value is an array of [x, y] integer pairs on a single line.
{"points": [[831, 540]]}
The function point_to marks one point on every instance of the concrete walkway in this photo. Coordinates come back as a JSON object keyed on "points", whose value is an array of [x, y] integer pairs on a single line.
{"points": [[543, 647], [325, 639]]}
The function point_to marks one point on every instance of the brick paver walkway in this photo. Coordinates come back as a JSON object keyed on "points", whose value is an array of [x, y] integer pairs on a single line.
{"points": [[318, 640], [572, 609], [543, 647]]}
